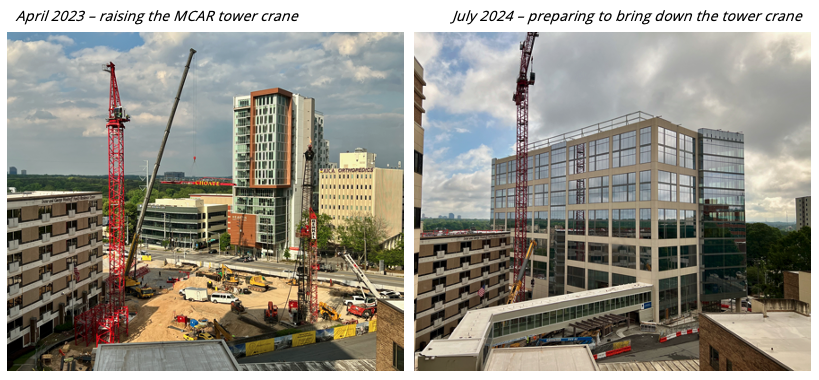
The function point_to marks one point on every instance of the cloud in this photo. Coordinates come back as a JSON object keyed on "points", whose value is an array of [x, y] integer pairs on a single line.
{"points": [[64, 40], [357, 81], [755, 83]]}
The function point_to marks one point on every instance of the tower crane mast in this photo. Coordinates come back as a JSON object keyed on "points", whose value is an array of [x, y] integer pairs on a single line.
{"points": [[308, 267], [521, 99]]}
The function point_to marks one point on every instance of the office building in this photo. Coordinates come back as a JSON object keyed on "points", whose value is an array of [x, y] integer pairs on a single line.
{"points": [[349, 193], [23, 172], [418, 168], [174, 176], [617, 203], [451, 216], [184, 223], [218, 199], [802, 211], [12, 170], [356, 160], [458, 273], [271, 131], [54, 261]]}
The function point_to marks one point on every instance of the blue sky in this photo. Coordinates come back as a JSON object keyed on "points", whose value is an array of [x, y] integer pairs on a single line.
{"points": [[758, 84], [57, 94]]}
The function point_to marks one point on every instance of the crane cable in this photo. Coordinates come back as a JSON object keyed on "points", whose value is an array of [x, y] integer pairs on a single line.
{"points": [[194, 100]]}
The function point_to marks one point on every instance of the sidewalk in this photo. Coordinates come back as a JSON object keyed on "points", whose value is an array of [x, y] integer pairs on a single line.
{"points": [[31, 363]]}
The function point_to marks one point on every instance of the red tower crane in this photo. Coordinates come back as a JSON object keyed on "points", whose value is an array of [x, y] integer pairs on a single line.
{"points": [[308, 267], [521, 99]]}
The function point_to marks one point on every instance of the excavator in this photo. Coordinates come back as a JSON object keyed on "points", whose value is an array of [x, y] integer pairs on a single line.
{"points": [[327, 312], [519, 281], [228, 276], [258, 284]]}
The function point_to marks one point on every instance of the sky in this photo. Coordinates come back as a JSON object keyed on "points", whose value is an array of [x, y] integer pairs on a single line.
{"points": [[758, 84], [58, 95]]}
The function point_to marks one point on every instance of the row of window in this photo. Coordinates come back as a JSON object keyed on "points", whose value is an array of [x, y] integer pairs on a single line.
{"points": [[346, 176]]}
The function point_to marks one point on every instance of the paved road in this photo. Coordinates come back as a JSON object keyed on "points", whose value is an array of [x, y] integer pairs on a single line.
{"points": [[376, 279], [357, 347], [646, 348]]}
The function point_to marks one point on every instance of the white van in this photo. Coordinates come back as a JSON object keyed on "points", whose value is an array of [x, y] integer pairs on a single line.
{"points": [[223, 298]]}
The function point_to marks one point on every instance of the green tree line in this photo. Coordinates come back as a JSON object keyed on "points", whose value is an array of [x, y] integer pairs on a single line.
{"points": [[457, 224], [770, 253]]}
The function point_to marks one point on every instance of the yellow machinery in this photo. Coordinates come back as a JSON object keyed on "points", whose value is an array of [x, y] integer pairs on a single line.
{"points": [[519, 281], [200, 336], [327, 312], [291, 281], [258, 284], [133, 287], [220, 332], [228, 277], [147, 257]]}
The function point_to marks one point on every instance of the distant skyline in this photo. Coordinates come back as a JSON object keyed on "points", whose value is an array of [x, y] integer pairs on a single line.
{"points": [[754, 83], [57, 95]]}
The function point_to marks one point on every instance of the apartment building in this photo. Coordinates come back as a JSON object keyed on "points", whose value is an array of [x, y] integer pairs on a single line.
{"points": [[458, 273], [345, 194], [184, 222], [633, 199], [54, 261], [360, 158], [418, 166], [271, 131], [802, 212]]}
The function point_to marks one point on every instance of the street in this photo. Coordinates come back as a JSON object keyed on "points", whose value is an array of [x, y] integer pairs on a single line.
{"points": [[357, 347], [376, 279]]}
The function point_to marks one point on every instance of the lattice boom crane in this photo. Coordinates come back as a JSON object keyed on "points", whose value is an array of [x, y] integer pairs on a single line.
{"points": [[308, 268], [521, 99]]}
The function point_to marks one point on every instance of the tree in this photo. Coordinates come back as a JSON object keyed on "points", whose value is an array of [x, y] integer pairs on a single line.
{"points": [[760, 239], [325, 228], [392, 257], [287, 254], [361, 228], [224, 241]]}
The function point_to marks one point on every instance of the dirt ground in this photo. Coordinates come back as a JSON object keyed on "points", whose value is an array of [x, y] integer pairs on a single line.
{"points": [[155, 316]]}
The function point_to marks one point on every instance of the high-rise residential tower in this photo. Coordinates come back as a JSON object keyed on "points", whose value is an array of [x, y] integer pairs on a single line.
{"points": [[802, 211]]}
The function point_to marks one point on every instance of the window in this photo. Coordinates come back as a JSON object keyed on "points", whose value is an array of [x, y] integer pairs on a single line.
{"points": [[688, 256], [714, 358], [645, 223], [397, 356], [728, 365], [667, 186], [598, 253], [577, 192], [542, 166], [577, 155], [645, 145], [621, 279], [645, 185], [623, 149], [599, 190], [558, 196], [623, 223], [541, 223], [667, 146], [599, 223], [576, 277], [687, 189], [577, 222], [542, 195], [417, 218], [645, 258], [577, 251], [598, 280], [499, 198], [419, 162], [687, 152], [668, 258], [688, 224], [668, 298], [624, 256], [599, 154], [624, 187], [667, 224], [688, 292]]}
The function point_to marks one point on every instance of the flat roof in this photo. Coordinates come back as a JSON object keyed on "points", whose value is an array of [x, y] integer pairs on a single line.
{"points": [[475, 322], [783, 336], [548, 358], [199, 355], [660, 365], [397, 304], [210, 195], [461, 234], [47, 194], [330, 365]]}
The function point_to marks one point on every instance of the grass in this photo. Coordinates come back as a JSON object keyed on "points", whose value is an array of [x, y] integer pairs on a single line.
{"points": [[20, 361]]}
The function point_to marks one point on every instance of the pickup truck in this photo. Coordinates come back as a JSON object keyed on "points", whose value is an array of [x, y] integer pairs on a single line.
{"points": [[358, 300]]}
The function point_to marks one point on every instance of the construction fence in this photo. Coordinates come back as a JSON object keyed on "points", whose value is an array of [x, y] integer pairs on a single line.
{"points": [[250, 348]]}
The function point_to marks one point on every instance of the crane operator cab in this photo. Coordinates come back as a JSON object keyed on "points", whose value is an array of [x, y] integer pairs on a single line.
{"points": [[119, 113]]}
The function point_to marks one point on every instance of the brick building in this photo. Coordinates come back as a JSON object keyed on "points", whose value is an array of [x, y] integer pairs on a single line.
{"points": [[389, 351], [452, 270], [797, 286]]}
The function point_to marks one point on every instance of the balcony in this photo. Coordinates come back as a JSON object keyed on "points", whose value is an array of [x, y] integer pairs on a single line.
{"points": [[464, 296], [14, 244], [439, 305], [72, 231], [93, 242], [466, 250], [47, 316], [439, 289], [484, 302], [486, 246], [439, 271], [464, 310], [465, 281], [45, 218], [485, 275], [15, 332], [14, 289], [486, 260], [14, 266], [71, 213], [13, 222], [46, 237], [46, 297], [438, 322], [46, 257], [72, 249], [93, 225], [46, 277], [93, 210], [14, 312], [440, 254]]}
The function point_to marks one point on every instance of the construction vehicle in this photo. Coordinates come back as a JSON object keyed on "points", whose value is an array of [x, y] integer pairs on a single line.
{"points": [[518, 285], [271, 314], [228, 277], [327, 312], [307, 273], [362, 310], [220, 332], [236, 306], [132, 286], [198, 336], [258, 284]]}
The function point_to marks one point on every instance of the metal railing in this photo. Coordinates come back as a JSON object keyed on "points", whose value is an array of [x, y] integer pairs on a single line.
{"points": [[626, 119]]}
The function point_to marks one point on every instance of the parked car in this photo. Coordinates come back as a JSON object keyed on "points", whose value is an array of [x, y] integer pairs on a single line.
{"points": [[359, 299], [391, 294], [213, 252]]}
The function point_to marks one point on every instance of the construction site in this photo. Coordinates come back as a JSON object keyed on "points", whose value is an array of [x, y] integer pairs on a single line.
{"points": [[161, 302]]}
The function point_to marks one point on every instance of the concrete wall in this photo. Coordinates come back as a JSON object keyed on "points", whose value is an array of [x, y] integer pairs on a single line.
{"points": [[742, 355]]}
